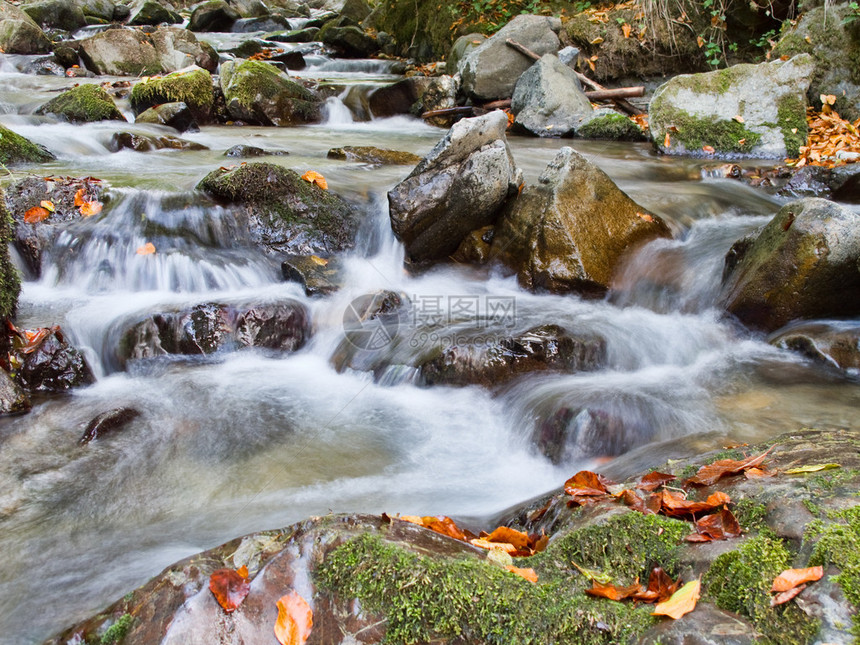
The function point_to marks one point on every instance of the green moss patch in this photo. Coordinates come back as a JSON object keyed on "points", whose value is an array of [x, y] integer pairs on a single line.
{"points": [[791, 113], [694, 132], [838, 543], [10, 280], [615, 127], [194, 88], [16, 149], [740, 581], [118, 631], [83, 104]]}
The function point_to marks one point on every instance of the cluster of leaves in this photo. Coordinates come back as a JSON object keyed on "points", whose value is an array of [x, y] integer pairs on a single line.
{"points": [[488, 16], [829, 135], [85, 200], [24, 342], [295, 617]]}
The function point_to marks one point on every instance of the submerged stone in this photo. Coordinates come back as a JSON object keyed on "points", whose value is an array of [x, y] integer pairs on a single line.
{"points": [[373, 155]]}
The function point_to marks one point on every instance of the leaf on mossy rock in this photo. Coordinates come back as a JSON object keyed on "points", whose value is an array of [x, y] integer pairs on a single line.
{"points": [[653, 481], [315, 178], [681, 602], [711, 473], [295, 620], [674, 505], [791, 578], [612, 592], [229, 588], [660, 587], [528, 574], [716, 526]]}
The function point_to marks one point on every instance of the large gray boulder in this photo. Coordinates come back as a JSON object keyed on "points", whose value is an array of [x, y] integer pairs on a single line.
{"points": [[832, 37], [130, 52], [758, 110], [19, 33], [490, 71], [570, 232], [178, 48], [148, 12], [548, 100], [802, 264], [460, 186], [257, 92], [215, 15], [99, 9], [56, 14]]}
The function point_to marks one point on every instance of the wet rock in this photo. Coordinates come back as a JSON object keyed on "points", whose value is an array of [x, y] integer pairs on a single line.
{"points": [[215, 15], [45, 66], [399, 97], [108, 423], [306, 35], [548, 347], [56, 14], [712, 626], [13, 400], [10, 279], [492, 69], [752, 109], [257, 92], [212, 327], [264, 23], [250, 8], [606, 123], [148, 143], [373, 155], [475, 247], [348, 41], [19, 33], [242, 151], [844, 181], [83, 104], [174, 115], [191, 86], [808, 181], [829, 34], [32, 239], [16, 149], [99, 9], [284, 213], [440, 94], [462, 46], [66, 56], [319, 276], [53, 366], [548, 100], [458, 187], [835, 344], [570, 232], [801, 265], [178, 50], [148, 12], [131, 52]]}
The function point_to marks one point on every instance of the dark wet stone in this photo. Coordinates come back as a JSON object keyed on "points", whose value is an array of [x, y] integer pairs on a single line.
{"points": [[318, 276], [283, 327], [108, 423], [497, 361], [242, 151], [175, 115], [834, 344], [263, 23], [45, 66], [306, 35], [215, 15], [54, 366], [712, 626], [147, 143], [371, 325], [399, 97], [13, 400], [373, 155], [290, 60]]}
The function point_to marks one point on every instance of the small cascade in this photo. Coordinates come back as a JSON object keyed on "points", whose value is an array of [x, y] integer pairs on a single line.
{"points": [[335, 112]]}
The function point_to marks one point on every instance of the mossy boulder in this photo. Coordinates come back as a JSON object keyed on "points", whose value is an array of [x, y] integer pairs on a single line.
{"points": [[56, 14], [801, 265], [373, 155], [83, 104], [831, 34], [570, 232], [99, 9], [215, 15], [283, 212], [348, 41], [608, 124], [174, 115], [10, 280], [17, 149], [149, 12], [192, 86], [758, 110], [256, 92], [19, 33], [424, 31]]}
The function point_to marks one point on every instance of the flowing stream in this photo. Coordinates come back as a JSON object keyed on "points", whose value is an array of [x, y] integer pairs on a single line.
{"points": [[252, 440]]}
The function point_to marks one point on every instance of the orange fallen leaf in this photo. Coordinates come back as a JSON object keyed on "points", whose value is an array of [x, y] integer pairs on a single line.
{"points": [[675, 505], [483, 543], [738, 118], [791, 578], [47, 204], [653, 481], [510, 536], [35, 214], [318, 260], [34, 337], [647, 218], [700, 41], [710, 474], [229, 588], [660, 587], [88, 209], [612, 592], [146, 249], [709, 149], [667, 142], [528, 574], [315, 178], [785, 596], [716, 526], [79, 197], [682, 601], [444, 525], [626, 29], [412, 519], [295, 620]]}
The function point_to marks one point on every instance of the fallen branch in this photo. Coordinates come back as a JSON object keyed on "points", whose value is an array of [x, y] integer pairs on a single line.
{"points": [[464, 110]]}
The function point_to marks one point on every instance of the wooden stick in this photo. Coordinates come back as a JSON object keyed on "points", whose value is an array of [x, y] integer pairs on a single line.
{"points": [[522, 49], [618, 93], [454, 111]]}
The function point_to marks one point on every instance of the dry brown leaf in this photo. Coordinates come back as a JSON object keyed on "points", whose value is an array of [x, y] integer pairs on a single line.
{"points": [[510, 536], [653, 481], [711, 473], [295, 620], [682, 601], [483, 543], [660, 587], [785, 596], [444, 525], [791, 578], [612, 592]]}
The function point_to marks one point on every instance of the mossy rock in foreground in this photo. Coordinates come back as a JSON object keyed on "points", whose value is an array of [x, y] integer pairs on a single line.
{"points": [[16, 149], [83, 104], [10, 280], [192, 87], [283, 212]]}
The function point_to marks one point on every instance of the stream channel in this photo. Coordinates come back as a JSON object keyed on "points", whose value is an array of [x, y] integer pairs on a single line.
{"points": [[250, 440]]}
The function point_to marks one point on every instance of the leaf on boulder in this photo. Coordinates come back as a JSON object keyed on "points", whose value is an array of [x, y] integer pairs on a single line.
{"points": [[90, 208], [36, 214], [717, 526], [315, 178], [660, 587], [785, 596], [681, 602], [295, 620], [711, 473], [229, 588], [519, 539], [612, 592], [791, 578], [653, 481], [675, 505]]}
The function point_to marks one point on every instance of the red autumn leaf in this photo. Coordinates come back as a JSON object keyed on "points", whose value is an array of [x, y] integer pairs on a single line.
{"points": [[539, 542], [710, 474], [528, 574], [682, 601], [791, 578], [229, 588], [660, 587], [36, 214], [511, 536], [295, 620], [612, 592], [785, 596], [653, 481], [676, 505], [445, 526]]}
